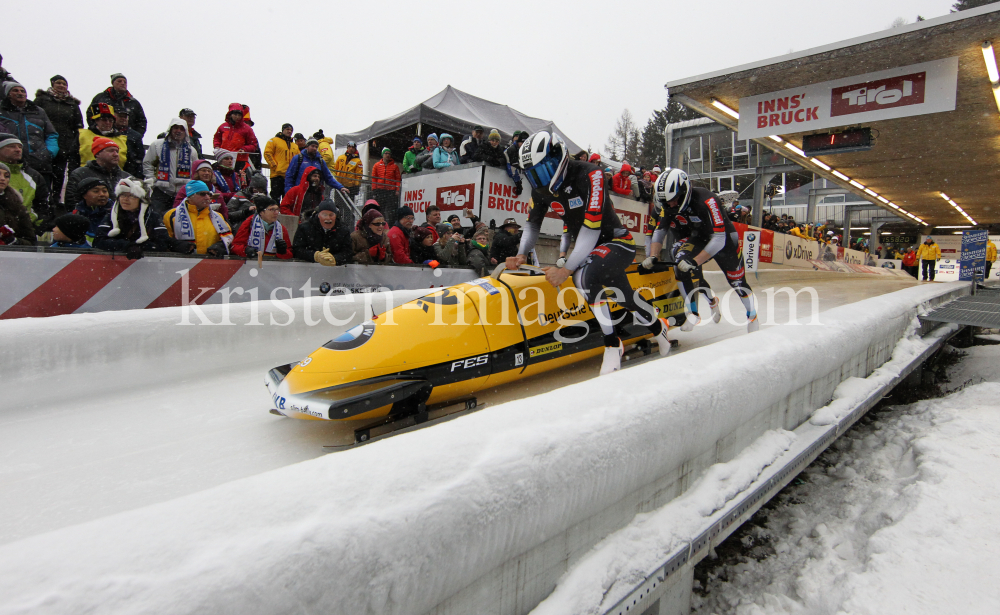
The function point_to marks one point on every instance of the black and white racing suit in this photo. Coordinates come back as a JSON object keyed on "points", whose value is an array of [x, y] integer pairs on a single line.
{"points": [[604, 247], [703, 226]]}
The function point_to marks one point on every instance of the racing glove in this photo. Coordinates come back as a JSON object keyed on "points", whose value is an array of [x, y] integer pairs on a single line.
{"points": [[281, 246], [251, 252], [560, 262], [648, 262], [686, 264], [518, 188], [133, 252]]}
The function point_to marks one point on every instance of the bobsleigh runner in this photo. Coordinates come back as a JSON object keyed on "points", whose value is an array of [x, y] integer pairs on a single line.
{"points": [[388, 373]]}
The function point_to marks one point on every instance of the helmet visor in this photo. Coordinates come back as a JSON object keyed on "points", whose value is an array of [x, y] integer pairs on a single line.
{"points": [[542, 174]]}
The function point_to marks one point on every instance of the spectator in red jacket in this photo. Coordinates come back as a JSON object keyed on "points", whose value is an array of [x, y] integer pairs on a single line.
{"points": [[263, 233], [386, 179], [234, 134], [621, 183], [306, 195], [399, 236]]}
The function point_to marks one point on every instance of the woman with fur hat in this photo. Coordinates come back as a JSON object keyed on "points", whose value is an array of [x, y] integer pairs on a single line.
{"points": [[370, 242], [15, 222], [131, 226]]}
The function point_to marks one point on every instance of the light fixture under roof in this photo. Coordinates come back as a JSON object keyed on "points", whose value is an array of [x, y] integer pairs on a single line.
{"points": [[721, 107]]}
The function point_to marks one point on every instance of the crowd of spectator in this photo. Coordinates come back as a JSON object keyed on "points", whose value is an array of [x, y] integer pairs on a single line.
{"points": [[86, 177]]}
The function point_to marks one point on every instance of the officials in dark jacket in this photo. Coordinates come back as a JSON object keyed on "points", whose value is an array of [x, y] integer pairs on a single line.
{"points": [[323, 238]]}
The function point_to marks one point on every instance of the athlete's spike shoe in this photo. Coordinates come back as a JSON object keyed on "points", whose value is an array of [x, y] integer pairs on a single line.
{"points": [[661, 340], [752, 323], [691, 321], [716, 312], [612, 358]]}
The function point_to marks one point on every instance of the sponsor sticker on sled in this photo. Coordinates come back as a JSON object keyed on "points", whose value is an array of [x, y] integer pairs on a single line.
{"points": [[575, 202], [485, 285], [546, 349]]}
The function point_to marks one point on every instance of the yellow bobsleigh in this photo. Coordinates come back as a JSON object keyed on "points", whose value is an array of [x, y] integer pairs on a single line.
{"points": [[455, 341]]}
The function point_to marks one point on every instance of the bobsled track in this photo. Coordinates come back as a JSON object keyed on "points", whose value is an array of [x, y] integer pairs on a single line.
{"points": [[142, 472]]}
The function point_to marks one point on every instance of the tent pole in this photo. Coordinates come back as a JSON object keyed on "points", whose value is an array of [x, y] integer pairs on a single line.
{"points": [[418, 130]]}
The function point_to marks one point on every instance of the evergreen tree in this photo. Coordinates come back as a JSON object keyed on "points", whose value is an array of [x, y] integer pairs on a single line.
{"points": [[962, 5], [652, 147], [623, 143]]}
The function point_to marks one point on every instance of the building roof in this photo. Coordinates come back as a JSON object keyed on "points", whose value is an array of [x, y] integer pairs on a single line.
{"points": [[914, 158]]}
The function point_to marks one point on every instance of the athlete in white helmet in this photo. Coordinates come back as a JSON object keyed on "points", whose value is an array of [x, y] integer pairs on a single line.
{"points": [[695, 214], [575, 190]]}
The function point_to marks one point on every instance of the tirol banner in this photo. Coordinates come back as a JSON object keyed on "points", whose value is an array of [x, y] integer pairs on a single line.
{"points": [[918, 89], [973, 258]]}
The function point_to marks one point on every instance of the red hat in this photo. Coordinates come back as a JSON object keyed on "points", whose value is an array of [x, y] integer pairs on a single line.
{"points": [[595, 158], [100, 144]]}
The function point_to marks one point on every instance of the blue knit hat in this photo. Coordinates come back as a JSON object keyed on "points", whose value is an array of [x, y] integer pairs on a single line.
{"points": [[434, 136], [196, 186]]}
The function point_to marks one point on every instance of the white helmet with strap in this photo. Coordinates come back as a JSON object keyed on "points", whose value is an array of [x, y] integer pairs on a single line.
{"points": [[544, 158], [673, 184]]}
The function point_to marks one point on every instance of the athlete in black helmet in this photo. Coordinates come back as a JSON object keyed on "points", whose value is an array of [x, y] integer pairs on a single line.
{"points": [[575, 191], [696, 214]]}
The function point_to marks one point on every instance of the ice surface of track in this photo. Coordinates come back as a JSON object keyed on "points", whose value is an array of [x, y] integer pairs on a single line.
{"points": [[84, 440]]}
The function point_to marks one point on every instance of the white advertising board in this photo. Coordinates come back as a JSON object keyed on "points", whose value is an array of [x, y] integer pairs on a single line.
{"points": [[499, 202], [451, 190], [918, 89], [751, 249]]}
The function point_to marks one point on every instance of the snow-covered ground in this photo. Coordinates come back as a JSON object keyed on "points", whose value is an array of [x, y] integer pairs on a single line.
{"points": [[899, 516]]}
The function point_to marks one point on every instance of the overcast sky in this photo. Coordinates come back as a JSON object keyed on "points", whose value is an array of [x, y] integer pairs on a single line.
{"points": [[342, 65]]}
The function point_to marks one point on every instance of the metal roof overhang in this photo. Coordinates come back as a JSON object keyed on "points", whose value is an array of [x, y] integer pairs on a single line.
{"points": [[915, 158]]}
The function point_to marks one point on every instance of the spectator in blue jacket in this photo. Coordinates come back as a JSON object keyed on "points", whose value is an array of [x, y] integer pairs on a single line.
{"points": [[31, 125], [445, 155], [310, 157]]}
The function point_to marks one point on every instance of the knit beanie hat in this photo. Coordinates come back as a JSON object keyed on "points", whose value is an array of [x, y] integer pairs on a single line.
{"points": [[86, 185], [135, 188], [222, 153], [196, 186], [312, 141], [403, 211], [73, 226], [53, 80], [419, 233], [100, 144], [258, 181], [298, 136], [116, 76], [386, 149], [443, 228], [418, 140], [286, 125], [433, 135], [4, 167], [8, 139], [10, 85], [494, 134], [198, 164], [327, 205], [371, 204]]}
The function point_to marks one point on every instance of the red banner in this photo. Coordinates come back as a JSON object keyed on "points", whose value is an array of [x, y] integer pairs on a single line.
{"points": [[766, 246]]}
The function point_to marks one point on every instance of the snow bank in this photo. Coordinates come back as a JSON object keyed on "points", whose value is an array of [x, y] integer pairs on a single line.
{"points": [[900, 518], [401, 525], [91, 352]]}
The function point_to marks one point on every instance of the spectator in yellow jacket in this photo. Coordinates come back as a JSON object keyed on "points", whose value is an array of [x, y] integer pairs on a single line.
{"points": [[102, 116], [929, 253], [325, 149], [197, 227], [991, 257], [278, 152], [349, 169]]}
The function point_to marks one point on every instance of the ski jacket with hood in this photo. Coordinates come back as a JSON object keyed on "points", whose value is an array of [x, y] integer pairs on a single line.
{"points": [[410, 159], [295, 198], [278, 153], [386, 176], [65, 115], [34, 192], [235, 136], [136, 116], [349, 169], [151, 161], [303, 160], [37, 134], [929, 252]]}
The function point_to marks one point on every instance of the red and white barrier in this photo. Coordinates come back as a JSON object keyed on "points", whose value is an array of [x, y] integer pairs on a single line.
{"points": [[45, 284]]}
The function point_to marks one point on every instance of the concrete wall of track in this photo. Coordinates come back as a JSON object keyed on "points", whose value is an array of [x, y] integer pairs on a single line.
{"points": [[449, 555]]}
